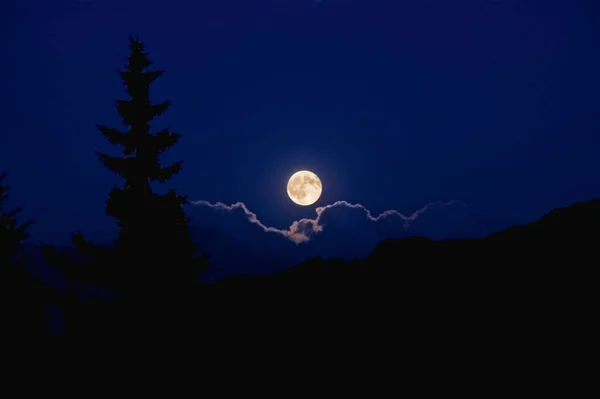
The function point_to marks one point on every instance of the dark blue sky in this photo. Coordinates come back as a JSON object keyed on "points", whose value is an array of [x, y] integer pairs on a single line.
{"points": [[392, 103]]}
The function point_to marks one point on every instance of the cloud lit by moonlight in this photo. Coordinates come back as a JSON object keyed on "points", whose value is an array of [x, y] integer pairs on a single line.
{"points": [[301, 230]]}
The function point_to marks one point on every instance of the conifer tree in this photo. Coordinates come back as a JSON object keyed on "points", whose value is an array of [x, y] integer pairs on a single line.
{"points": [[23, 311], [154, 247], [11, 233]]}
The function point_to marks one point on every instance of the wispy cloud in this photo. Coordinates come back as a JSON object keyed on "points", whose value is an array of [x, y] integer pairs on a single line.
{"points": [[302, 230]]}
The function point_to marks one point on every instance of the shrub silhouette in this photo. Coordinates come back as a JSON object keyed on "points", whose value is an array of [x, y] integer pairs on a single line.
{"points": [[23, 309]]}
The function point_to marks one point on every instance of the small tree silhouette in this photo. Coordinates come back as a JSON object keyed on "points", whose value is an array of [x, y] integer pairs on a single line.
{"points": [[24, 312], [11, 234], [154, 248]]}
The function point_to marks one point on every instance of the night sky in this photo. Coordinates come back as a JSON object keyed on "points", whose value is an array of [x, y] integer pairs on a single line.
{"points": [[394, 104]]}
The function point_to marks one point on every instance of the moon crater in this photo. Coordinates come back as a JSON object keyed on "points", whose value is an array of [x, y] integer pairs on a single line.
{"points": [[304, 188]]}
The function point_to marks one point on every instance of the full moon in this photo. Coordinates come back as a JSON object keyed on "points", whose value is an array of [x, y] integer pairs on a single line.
{"points": [[304, 188]]}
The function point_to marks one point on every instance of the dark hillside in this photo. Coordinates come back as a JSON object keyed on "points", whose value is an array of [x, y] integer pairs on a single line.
{"points": [[537, 277]]}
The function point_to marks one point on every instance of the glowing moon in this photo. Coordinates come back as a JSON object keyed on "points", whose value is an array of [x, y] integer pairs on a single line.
{"points": [[304, 188]]}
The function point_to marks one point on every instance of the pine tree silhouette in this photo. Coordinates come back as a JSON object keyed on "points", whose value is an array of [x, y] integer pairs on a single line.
{"points": [[23, 312], [154, 249], [11, 234]]}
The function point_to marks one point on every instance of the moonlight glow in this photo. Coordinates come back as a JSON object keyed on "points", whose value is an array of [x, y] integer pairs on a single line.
{"points": [[304, 188]]}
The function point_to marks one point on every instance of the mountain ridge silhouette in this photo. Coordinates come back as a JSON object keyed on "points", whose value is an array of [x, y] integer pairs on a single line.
{"points": [[233, 257], [552, 256], [527, 289], [526, 286]]}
